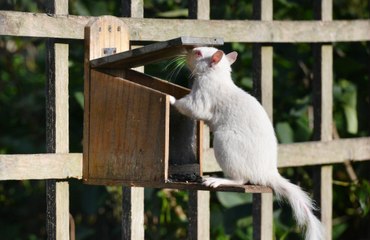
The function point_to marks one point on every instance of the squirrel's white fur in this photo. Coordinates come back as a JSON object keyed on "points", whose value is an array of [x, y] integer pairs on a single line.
{"points": [[244, 140]]}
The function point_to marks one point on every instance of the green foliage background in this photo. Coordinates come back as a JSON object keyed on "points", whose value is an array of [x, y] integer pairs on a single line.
{"points": [[97, 211]]}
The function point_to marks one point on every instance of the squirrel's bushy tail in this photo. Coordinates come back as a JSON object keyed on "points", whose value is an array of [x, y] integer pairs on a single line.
{"points": [[301, 204]]}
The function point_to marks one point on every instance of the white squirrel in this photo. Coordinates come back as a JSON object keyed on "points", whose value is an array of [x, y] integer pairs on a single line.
{"points": [[244, 141]]}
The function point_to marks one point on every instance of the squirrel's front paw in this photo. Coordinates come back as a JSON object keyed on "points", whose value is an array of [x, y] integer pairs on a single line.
{"points": [[172, 100]]}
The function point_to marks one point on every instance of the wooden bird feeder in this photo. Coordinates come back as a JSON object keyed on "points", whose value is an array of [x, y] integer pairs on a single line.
{"points": [[132, 136]]}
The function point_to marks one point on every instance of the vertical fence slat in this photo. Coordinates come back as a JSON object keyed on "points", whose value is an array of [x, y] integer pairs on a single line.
{"points": [[323, 119], [198, 215], [262, 216], [199, 9], [132, 213], [57, 136], [133, 197], [199, 207], [262, 76], [132, 8], [263, 88]]}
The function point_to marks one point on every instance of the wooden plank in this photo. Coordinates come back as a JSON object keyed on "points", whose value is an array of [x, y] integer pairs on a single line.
{"points": [[42, 25], [125, 118], [262, 75], [199, 186], [290, 155], [183, 146], [57, 137], [132, 213], [323, 84], [40, 166], [169, 184], [133, 197], [106, 32], [199, 201], [262, 59], [200, 143], [310, 153], [199, 9], [151, 53], [185, 133], [56, 7], [323, 10], [62, 136], [100, 34], [115, 141], [318, 153], [69, 165], [326, 199], [323, 115], [263, 88], [155, 83], [263, 10], [133, 9], [62, 210], [199, 215], [263, 208], [61, 98]]}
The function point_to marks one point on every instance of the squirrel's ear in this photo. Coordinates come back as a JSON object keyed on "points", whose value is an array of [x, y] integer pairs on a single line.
{"points": [[232, 57], [216, 57]]}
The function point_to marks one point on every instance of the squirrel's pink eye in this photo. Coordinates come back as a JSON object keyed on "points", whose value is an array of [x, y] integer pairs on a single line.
{"points": [[198, 53]]}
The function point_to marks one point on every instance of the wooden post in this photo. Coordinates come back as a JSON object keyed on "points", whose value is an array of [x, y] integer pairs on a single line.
{"points": [[132, 213], [199, 208], [133, 197], [199, 215], [199, 205], [323, 110], [57, 131], [133, 8], [263, 87], [199, 9]]}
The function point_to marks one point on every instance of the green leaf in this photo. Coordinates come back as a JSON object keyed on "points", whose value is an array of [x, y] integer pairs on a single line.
{"points": [[303, 131], [351, 118], [80, 8], [363, 195], [246, 82], [174, 13], [349, 104], [339, 229], [230, 199], [79, 96], [284, 132]]}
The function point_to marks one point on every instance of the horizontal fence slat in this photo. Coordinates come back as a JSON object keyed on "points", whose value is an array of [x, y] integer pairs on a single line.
{"points": [[40, 166], [311, 153], [69, 165], [42, 25], [316, 153]]}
